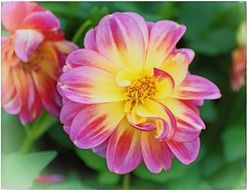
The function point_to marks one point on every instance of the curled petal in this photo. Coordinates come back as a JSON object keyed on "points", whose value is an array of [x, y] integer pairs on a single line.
{"points": [[165, 121], [26, 42], [88, 85], [165, 84], [196, 87], [183, 112], [156, 154], [124, 149], [186, 152], [94, 124], [177, 64]]}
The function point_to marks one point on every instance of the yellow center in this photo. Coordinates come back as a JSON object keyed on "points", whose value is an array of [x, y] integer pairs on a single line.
{"points": [[140, 90]]}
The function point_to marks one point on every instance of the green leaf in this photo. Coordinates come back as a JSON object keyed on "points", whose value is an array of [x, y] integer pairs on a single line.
{"points": [[234, 143], [92, 160], [108, 178], [175, 172], [214, 42], [20, 170], [209, 112], [12, 133]]}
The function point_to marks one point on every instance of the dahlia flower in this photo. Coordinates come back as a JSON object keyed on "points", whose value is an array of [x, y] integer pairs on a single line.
{"points": [[32, 57], [128, 94], [238, 71]]}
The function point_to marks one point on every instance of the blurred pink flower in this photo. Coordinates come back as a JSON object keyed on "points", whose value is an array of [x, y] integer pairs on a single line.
{"points": [[128, 94], [238, 71], [32, 57]]}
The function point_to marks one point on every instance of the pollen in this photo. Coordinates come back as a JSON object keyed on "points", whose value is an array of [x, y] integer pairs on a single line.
{"points": [[140, 90]]}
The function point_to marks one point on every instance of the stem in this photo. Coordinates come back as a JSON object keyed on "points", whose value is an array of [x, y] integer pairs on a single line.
{"points": [[126, 181], [26, 145], [36, 130], [80, 31]]}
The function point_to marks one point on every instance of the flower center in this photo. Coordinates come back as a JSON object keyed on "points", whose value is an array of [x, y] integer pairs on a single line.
{"points": [[140, 90]]}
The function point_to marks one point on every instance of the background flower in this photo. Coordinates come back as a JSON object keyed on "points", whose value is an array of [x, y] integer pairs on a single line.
{"points": [[32, 57], [133, 68]]}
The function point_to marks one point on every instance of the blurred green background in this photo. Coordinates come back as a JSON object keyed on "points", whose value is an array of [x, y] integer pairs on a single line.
{"points": [[211, 33]]}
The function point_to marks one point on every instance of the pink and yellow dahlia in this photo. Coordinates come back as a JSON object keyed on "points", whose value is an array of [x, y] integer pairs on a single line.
{"points": [[128, 94], [32, 57]]}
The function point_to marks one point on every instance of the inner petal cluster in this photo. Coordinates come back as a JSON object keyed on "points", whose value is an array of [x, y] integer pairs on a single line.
{"points": [[140, 90]]}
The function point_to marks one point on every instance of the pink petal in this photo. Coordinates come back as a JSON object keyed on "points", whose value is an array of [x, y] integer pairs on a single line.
{"points": [[185, 132], [68, 112], [13, 106], [183, 112], [142, 24], [65, 47], [196, 87], [150, 26], [90, 40], [84, 57], [120, 39], [162, 42], [89, 85], [94, 124], [124, 149], [42, 21], [26, 42], [156, 154], [185, 152], [101, 149]]}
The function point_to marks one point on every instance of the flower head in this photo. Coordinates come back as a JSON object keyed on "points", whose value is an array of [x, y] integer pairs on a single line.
{"points": [[32, 57], [238, 71], [129, 97]]}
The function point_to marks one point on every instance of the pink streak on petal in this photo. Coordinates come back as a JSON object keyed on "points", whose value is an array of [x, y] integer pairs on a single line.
{"points": [[26, 42], [156, 154], [185, 152], [124, 149], [196, 87], [185, 132], [42, 21]]}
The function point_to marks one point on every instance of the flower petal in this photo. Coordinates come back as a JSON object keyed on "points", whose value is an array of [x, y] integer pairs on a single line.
{"points": [[120, 39], [42, 21], [185, 132], [177, 64], [195, 87], [26, 42], [185, 152], [124, 149], [89, 85], [101, 149], [84, 57], [165, 84], [183, 112], [162, 41], [90, 40], [95, 123], [156, 154], [68, 112], [14, 12], [166, 123]]}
